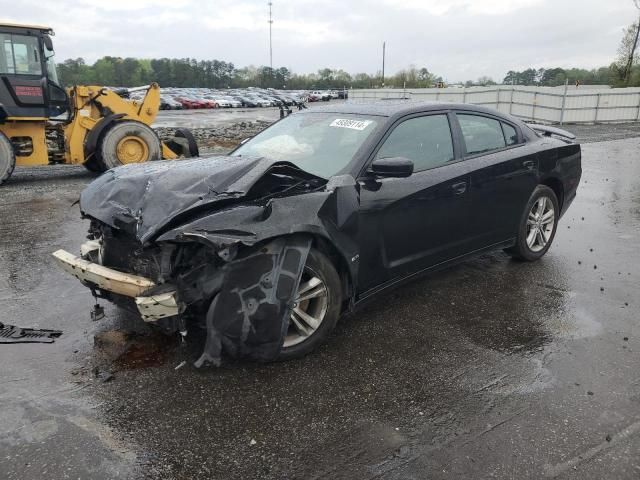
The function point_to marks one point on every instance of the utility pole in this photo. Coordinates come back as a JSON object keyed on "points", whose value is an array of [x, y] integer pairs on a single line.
{"points": [[270, 44], [384, 44]]}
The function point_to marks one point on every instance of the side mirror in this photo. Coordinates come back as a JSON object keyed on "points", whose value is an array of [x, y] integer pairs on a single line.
{"points": [[394, 167], [47, 42]]}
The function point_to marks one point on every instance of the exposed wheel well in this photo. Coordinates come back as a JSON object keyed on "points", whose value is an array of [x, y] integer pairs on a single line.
{"points": [[340, 263], [557, 187]]}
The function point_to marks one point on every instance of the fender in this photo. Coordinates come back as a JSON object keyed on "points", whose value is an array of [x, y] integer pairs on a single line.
{"points": [[91, 142]]}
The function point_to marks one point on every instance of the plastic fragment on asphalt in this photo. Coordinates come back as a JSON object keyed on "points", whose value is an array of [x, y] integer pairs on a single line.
{"points": [[13, 334]]}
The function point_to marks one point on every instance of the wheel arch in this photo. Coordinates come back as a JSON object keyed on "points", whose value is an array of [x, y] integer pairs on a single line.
{"points": [[326, 245], [556, 185]]}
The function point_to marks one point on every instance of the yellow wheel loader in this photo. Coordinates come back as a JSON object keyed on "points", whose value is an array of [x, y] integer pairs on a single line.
{"points": [[42, 123]]}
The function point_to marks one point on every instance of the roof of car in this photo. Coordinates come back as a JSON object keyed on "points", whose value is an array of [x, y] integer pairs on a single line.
{"points": [[389, 108]]}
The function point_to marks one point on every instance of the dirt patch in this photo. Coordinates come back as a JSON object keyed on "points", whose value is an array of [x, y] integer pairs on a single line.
{"points": [[119, 350]]}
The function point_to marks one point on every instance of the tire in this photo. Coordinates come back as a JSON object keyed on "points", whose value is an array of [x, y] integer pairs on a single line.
{"points": [[193, 145], [7, 158], [93, 166], [127, 142], [320, 267], [532, 226]]}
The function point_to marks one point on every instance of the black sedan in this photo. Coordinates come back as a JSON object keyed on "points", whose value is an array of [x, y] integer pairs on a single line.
{"points": [[261, 251]]}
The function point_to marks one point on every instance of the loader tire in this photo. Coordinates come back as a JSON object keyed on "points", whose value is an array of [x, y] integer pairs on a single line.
{"points": [[191, 140], [7, 158], [93, 165], [127, 142]]}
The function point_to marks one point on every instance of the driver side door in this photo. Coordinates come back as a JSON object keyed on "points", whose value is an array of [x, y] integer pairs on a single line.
{"points": [[414, 223]]}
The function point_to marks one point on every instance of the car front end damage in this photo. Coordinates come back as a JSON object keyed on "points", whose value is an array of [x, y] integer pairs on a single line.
{"points": [[222, 260]]}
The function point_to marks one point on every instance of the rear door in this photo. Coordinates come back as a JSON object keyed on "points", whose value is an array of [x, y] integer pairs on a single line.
{"points": [[408, 224], [503, 171]]}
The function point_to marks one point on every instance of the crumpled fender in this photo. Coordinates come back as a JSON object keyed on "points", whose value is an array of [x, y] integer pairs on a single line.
{"points": [[331, 214], [248, 317]]}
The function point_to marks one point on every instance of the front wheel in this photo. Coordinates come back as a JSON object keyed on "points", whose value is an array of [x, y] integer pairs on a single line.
{"points": [[538, 225], [7, 158], [127, 142], [316, 307]]}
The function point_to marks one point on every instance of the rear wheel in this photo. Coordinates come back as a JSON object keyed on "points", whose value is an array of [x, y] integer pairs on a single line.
{"points": [[127, 142], [316, 307], [7, 158], [538, 225]]}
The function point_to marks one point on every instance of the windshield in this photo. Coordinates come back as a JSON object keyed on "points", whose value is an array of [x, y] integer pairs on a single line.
{"points": [[320, 143]]}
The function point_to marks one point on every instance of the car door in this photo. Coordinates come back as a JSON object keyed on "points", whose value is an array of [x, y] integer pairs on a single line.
{"points": [[409, 224], [503, 172]]}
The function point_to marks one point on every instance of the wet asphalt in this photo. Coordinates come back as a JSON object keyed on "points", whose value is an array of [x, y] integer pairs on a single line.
{"points": [[493, 368]]}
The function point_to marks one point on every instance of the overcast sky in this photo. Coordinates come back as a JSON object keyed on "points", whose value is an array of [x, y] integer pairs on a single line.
{"points": [[458, 39]]}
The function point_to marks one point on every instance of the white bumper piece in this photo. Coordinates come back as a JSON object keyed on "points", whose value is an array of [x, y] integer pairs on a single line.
{"points": [[151, 308]]}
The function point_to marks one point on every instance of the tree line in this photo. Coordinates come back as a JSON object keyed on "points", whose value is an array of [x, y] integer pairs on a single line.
{"points": [[624, 71], [189, 72], [186, 72]]}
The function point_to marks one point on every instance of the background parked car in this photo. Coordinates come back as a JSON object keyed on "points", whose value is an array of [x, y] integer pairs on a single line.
{"points": [[190, 98], [317, 96]]}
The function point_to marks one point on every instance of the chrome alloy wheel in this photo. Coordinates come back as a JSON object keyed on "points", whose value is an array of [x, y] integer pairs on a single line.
{"points": [[309, 308], [540, 223]]}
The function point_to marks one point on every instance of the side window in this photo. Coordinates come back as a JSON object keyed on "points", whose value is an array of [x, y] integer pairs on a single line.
{"points": [[481, 134], [6, 54], [510, 134], [424, 140], [19, 55]]}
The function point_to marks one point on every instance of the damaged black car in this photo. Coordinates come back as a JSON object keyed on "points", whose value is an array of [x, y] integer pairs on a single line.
{"points": [[262, 250]]}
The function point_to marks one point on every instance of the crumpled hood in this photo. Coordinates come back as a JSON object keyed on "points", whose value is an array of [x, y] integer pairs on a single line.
{"points": [[142, 198]]}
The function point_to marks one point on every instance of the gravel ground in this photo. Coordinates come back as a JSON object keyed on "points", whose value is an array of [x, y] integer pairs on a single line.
{"points": [[604, 132], [220, 139]]}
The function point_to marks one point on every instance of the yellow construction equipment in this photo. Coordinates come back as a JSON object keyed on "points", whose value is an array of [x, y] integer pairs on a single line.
{"points": [[42, 123]]}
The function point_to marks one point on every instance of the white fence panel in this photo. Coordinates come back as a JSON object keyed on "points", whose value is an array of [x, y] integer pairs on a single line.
{"points": [[541, 104]]}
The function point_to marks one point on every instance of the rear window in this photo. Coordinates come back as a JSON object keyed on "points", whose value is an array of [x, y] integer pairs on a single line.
{"points": [[481, 134]]}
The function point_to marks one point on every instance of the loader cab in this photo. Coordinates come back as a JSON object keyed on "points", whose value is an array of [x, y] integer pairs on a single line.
{"points": [[29, 86]]}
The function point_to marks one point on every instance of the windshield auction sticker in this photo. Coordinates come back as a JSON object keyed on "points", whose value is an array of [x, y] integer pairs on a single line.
{"points": [[353, 124]]}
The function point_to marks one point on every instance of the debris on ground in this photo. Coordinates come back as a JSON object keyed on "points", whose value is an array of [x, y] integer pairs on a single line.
{"points": [[13, 334], [103, 375]]}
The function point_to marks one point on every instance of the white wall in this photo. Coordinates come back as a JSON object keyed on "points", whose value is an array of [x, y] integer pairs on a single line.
{"points": [[540, 104]]}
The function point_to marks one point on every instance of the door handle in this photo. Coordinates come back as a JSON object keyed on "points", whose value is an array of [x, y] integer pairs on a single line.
{"points": [[459, 188], [529, 164]]}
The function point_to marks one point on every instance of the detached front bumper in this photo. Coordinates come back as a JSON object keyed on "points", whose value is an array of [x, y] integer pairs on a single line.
{"points": [[152, 308]]}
